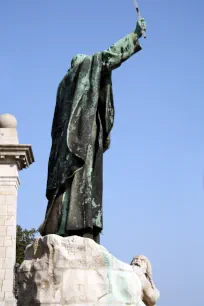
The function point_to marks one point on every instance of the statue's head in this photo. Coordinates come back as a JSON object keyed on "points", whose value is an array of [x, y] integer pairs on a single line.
{"points": [[142, 262], [78, 59]]}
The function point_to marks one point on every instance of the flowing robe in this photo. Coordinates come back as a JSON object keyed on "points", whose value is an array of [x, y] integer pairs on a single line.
{"points": [[83, 119]]}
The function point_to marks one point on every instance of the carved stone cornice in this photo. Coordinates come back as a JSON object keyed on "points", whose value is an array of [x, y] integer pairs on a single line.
{"points": [[21, 155]]}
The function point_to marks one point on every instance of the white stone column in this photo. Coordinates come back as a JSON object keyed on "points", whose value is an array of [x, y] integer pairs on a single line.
{"points": [[13, 158]]}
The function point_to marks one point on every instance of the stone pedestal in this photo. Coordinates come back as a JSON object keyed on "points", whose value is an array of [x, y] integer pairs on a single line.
{"points": [[75, 271], [13, 157]]}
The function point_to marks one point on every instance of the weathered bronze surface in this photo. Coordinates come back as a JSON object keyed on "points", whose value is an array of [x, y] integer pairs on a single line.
{"points": [[83, 119]]}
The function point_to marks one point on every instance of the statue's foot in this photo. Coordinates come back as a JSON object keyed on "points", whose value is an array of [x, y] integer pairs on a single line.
{"points": [[88, 235], [61, 233], [96, 238]]}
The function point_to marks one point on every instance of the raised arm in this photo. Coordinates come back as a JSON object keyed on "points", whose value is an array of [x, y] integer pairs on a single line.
{"points": [[114, 56], [142, 267], [150, 292]]}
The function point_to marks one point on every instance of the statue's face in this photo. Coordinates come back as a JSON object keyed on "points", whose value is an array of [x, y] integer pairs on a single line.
{"points": [[141, 262], [78, 59]]}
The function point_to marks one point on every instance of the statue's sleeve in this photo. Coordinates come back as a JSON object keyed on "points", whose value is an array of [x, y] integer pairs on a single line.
{"points": [[123, 49]]}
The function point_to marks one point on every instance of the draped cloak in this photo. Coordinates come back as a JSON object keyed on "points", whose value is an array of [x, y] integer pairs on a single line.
{"points": [[84, 106]]}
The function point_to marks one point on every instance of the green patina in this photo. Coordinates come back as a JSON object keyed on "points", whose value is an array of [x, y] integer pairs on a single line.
{"points": [[83, 120]]}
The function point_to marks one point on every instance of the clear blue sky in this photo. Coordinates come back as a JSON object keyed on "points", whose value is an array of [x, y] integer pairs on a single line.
{"points": [[153, 173]]}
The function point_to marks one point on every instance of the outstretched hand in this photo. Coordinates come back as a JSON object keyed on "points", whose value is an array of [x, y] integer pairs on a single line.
{"points": [[140, 27]]}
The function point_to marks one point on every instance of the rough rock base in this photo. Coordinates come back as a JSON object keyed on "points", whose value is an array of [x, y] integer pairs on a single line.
{"points": [[75, 271]]}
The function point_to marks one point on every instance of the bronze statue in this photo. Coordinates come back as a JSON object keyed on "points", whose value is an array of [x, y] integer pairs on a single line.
{"points": [[82, 123]]}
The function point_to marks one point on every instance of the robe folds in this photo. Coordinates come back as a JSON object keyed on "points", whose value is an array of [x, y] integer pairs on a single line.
{"points": [[83, 119]]}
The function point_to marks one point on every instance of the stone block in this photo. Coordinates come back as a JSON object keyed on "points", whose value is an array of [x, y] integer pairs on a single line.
{"points": [[2, 239], [10, 252], [2, 274], [8, 242], [8, 136], [11, 210], [2, 219], [11, 200], [2, 252], [9, 296], [1, 263], [2, 200], [11, 231], [12, 303], [3, 210], [9, 173], [10, 220], [5, 189], [8, 274], [2, 296], [7, 285], [7, 263], [3, 230]]}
